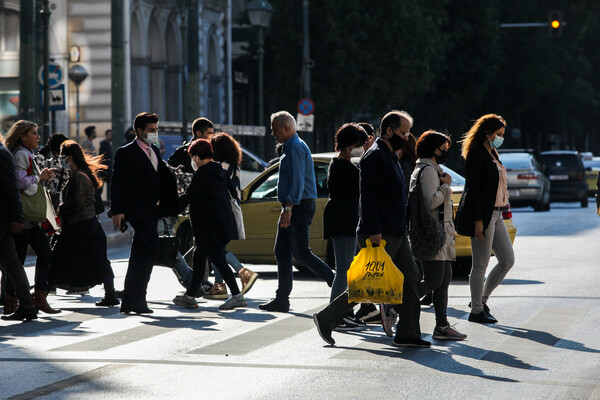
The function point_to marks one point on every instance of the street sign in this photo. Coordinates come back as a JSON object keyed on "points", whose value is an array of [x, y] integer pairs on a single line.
{"points": [[305, 123], [306, 107], [55, 77], [57, 98]]}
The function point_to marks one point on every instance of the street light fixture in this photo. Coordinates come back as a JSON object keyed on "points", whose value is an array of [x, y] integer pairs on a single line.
{"points": [[259, 12], [77, 74]]}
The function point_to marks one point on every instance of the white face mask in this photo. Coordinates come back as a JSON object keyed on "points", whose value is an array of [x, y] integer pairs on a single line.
{"points": [[194, 165], [152, 138], [357, 151]]}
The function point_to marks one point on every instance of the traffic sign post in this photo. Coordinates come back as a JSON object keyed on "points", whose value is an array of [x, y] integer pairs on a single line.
{"points": [[55, 75], [305, 123], [57, 98], [306, 107]]}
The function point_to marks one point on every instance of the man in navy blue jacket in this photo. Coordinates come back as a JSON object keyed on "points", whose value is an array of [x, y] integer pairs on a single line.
{"points": [[382, 215]]}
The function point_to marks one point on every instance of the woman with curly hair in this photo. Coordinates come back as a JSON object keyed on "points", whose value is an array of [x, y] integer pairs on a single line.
{"points": [[79, 256], [22, 139], [479, 214]]}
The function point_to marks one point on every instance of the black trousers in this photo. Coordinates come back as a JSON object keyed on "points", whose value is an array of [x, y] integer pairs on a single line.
{"points": [[11, 266], [144, 249], [37, 239]]}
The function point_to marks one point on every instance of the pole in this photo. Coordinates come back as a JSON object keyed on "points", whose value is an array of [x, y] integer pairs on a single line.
{"points": [[45, 23], [261, 53], [306, 60], [117, 76], [193, 62], [229, 74], [184, 77], [27, 70], [77, 113]]}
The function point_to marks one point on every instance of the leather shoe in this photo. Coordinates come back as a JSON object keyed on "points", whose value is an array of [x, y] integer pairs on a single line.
{"points": [[486, 310], [482, 318], [275, 305], [138, 307], [21, 315]]}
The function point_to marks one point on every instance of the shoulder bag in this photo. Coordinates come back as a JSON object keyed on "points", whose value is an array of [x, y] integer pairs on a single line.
{"points": [[427, 234], [35, 205], [168, 248], [236, 209]]}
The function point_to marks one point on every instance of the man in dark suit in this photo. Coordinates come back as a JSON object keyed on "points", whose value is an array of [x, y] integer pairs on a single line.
{"points": [[11, 221], [143, 190]]}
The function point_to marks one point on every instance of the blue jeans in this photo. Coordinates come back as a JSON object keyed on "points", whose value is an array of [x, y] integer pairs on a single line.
{"points": [[293, 242], [344, 249], [232, 261]]}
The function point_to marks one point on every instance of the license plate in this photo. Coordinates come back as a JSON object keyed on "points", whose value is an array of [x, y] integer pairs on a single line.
{"points": [[513, 192], [559, 177]]}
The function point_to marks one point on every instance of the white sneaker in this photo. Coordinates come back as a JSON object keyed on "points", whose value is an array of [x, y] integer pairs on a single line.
{"points": [[388, 318]]}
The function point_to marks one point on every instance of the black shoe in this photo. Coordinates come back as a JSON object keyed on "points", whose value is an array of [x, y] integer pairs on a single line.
{"points": [[352, 319], [108, 301], [486, 310], [21, 314], [275, 305], [323, 330], [137, 307], [207, 286], [346, 326], [410, 342], [366, 311], [427, 300], [482, 318]]}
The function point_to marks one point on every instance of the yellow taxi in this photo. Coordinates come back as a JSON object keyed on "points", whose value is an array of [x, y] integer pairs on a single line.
{"points": [[261, 211], [592, 168]]}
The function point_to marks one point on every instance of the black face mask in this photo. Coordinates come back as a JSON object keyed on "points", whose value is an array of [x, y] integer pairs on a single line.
{"points": [[442, 159], [396, 142]]}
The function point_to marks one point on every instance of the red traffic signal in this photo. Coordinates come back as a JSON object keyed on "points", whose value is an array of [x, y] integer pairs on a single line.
{"points": [[555, 24]]}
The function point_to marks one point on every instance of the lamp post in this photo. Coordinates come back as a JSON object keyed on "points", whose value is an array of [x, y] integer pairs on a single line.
{"points": [[77, 74], [183, 12], [259, 12], [45, 13]]}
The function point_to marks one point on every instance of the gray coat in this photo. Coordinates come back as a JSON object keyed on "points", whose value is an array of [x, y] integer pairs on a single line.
{"points": [[435, 195]]}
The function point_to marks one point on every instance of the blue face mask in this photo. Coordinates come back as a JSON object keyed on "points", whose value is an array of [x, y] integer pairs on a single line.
{"points": [[497, 142]]}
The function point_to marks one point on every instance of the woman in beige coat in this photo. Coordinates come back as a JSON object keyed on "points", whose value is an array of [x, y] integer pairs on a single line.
{"points": [[432, 150]]}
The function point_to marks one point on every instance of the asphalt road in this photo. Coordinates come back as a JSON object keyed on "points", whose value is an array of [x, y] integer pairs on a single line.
{"points": [[545, 346]]}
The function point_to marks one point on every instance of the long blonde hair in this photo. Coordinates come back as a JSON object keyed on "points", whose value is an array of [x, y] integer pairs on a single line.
{"points": [[16, 132], [475, 137]]}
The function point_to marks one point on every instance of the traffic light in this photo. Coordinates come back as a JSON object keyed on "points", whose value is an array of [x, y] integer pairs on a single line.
{"points": [[555, 24]]}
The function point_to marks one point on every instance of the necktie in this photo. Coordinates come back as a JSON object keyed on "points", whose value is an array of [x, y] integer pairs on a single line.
{"points": [[152, 157]]}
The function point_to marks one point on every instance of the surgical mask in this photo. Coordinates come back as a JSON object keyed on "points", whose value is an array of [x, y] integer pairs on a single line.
{"points": [[64, 164], [396, 142], [496, 143], [194, 165], [442, 159], [152, 138], [357, 151]]}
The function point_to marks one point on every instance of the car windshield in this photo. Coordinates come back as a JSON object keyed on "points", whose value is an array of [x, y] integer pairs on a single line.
{"points": [[570, 162], [516, 162], [457, 179]]}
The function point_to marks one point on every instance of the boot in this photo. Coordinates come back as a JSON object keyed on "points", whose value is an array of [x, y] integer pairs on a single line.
{"points": [[219, 291], [110, 299], [40, 303], [22, 314], [248, 278], [10, 304]]}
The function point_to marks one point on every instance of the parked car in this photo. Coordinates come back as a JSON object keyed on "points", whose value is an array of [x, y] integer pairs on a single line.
{"points": [[592, 168], [527, 184], [565, 170], [261, 211]]}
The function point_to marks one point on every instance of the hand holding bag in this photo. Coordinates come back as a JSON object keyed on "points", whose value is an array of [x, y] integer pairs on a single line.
{"points": [[168, 248], [427, 234], [373, 277]]}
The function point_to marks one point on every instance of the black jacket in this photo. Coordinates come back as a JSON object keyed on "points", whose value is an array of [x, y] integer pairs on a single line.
{"points": [[340, 216], [136, 187], [213, 222], [383, 199], [181, 157], [11, 209], [479, 195]]}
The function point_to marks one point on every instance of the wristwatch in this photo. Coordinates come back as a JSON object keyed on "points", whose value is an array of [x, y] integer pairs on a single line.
{"points": [[287, 208]]}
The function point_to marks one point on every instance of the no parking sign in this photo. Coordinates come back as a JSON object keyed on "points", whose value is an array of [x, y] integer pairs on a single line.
{"points": [[55, 75], [306, 107]]}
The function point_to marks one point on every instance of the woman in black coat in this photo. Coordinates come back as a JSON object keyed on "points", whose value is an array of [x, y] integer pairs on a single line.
{"points": [[479, 213], [213, 223]]}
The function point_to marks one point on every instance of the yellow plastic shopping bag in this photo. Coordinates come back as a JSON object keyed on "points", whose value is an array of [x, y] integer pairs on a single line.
{"points": [[373, 277]]}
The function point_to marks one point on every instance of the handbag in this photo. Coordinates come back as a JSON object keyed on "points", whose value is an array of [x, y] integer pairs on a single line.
{"points": [[35, 205], [427, 234], [236, 209], [373, 277], [167, 249]]}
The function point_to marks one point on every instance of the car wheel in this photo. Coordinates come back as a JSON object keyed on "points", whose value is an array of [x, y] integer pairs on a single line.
{"points": [[584, 202], [186, 240]]}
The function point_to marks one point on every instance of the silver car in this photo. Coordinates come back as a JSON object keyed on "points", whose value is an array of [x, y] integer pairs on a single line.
{"points": [[527, 184]]}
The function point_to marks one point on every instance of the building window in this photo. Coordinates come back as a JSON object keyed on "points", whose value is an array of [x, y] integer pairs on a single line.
{"points": [[9, 31]]}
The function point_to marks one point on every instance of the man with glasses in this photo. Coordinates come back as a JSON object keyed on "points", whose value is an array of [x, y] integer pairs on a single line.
{"points": [[143, 190]]}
